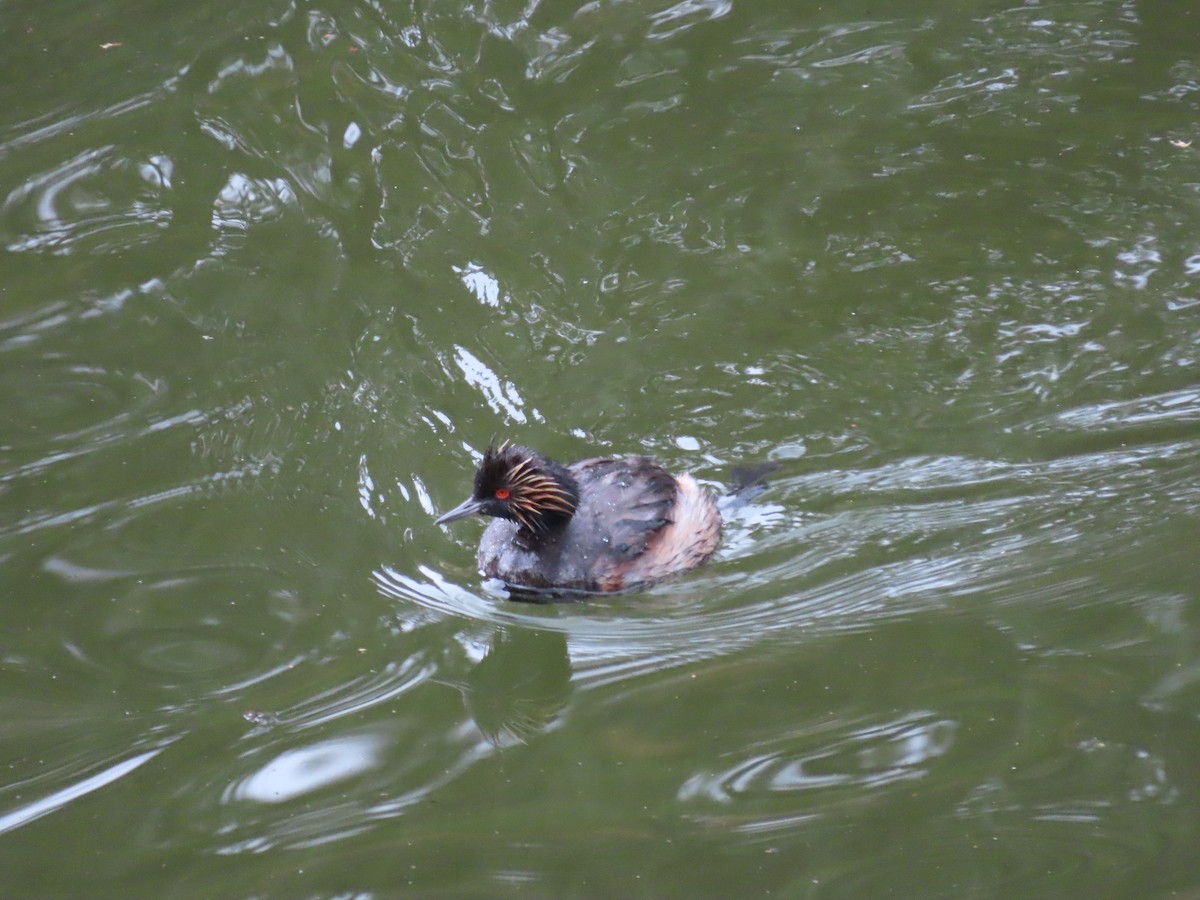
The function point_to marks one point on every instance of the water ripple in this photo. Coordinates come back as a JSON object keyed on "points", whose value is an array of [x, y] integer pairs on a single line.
{"points": [[112, 771], [97, 202], [868, 757]]}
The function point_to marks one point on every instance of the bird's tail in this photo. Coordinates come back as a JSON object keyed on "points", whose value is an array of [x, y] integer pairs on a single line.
{"points": [[746, 483]]}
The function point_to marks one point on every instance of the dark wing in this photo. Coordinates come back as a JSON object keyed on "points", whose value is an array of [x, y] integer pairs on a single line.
{"points": [[625, 503]]}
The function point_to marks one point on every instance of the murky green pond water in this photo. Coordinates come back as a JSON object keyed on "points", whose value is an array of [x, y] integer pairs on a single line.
{"points": [[273, 273]]}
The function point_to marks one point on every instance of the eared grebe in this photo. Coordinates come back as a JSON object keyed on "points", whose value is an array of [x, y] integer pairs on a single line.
{"points": [[597, 525]]}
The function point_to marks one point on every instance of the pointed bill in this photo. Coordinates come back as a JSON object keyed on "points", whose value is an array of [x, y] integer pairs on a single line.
{"points": [[468, 507]]}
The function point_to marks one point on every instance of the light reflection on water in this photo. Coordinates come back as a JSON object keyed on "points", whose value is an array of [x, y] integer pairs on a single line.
{"points": [[273, 276]]}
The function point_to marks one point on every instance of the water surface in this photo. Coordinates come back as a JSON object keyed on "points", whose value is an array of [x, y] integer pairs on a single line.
{"points": [[271, 276]]}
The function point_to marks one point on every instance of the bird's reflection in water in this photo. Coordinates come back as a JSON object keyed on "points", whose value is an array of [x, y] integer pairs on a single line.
{"points": [[520, 686]]}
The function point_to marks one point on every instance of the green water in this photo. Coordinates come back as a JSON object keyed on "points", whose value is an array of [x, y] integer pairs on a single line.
{"points": [[272, 274]]}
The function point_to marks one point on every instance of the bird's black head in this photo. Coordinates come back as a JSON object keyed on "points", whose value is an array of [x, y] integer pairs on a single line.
{"points": [[518, 484]]}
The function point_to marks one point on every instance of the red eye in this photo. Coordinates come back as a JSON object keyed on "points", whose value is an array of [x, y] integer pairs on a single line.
{"points": [[501, 493]]}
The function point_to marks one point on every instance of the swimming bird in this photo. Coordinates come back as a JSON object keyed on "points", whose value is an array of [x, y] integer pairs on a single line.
{"points": [[598, 525]]}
